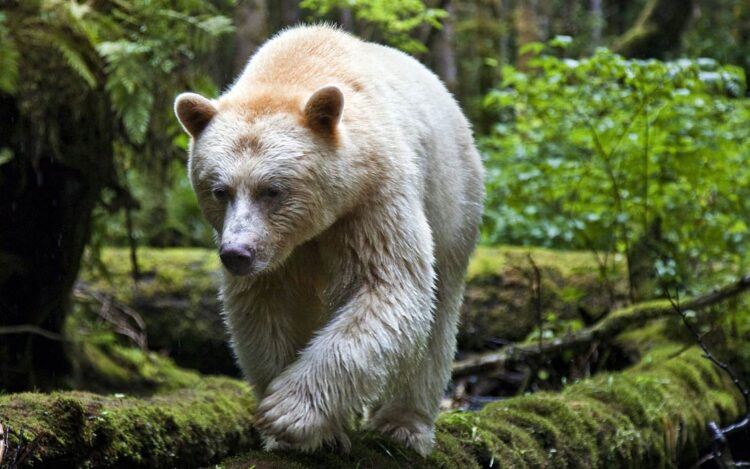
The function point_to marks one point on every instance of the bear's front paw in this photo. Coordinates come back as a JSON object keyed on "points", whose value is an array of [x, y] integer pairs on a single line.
{"points": [[288, 418]]}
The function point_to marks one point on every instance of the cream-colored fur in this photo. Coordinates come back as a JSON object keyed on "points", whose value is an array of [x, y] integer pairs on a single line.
{"points": [[361, 243]]}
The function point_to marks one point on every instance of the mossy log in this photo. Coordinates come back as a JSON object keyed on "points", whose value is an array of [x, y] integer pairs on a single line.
{"points": [[614, 324], [189, 427], [652, 415]]}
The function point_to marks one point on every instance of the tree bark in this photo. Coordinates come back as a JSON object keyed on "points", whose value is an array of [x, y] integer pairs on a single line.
{"points": [[62, 157], [527, 28], [251, 21], [597, 22], [283, 13], [443, 49], [657, 31]]}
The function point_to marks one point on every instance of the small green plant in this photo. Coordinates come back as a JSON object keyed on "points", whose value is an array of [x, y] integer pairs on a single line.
{"points": [[644, 159]]}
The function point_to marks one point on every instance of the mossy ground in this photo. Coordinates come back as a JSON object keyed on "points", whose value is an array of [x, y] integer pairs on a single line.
{"points": [[177, 296], [500, 306]]}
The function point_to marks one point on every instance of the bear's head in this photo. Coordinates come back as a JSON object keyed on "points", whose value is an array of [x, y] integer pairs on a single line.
{"points": [[267, 171]]}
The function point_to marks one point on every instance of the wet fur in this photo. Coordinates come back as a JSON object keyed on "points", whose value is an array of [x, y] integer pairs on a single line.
{"points": [[354, 304]]}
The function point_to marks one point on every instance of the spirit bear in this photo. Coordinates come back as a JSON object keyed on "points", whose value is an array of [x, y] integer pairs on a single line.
{"points": [[345, 190]]}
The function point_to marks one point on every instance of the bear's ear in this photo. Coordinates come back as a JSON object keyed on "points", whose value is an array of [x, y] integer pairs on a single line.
{"points": [[194, 112], [323, 110]]}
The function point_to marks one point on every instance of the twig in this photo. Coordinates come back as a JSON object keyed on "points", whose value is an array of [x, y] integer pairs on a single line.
{"points": [[615, 323], [675, 302], [31, 329], [719, 434], [118, 314]]}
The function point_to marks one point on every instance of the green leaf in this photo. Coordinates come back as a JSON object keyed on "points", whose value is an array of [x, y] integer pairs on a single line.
{"points": [[136, 115], [77, 63]]}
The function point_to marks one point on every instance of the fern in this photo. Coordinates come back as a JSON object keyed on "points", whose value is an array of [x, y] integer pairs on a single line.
{"points": [[134, 48], [76, 62], [136, 115]]}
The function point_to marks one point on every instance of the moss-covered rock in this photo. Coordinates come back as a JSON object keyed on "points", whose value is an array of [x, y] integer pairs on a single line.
{"points": [[189, 427], [177, 296]]}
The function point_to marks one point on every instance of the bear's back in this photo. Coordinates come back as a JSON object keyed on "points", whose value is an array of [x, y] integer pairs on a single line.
{"points": [[303, 57], [392, 103]]}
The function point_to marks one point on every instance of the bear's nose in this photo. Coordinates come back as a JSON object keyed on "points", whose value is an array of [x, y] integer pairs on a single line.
{"points": [[237, 258]]}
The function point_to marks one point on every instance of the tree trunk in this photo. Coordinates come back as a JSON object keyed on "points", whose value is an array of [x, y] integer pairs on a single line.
{"points": [[48, 191], [657, 31], [251, 21], [443, 49], [597, 22], [283, 13], [527, 28]]}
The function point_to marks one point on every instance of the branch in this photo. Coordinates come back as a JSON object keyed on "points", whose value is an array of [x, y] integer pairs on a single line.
{"points": [[719, 433], [616, 323], [657, 31], [30, 329]]}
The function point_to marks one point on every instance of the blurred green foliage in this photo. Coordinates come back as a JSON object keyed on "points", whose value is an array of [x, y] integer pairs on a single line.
{"points": [[602, 152], [136, 49], [395, 19], [137, 54]]}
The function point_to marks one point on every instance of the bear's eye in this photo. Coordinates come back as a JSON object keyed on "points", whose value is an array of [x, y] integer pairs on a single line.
{"points": [[270, 192], [220, 193]]}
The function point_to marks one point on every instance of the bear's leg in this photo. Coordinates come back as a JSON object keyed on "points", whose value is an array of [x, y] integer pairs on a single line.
{"points": [[269, 324], [409, 413], [383, 324]]}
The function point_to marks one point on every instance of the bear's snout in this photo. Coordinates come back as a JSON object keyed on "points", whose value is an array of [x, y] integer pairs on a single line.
{"points": [[238, 258]]}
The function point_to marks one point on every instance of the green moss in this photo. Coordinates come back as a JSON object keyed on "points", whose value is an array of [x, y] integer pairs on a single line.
{"points": [[500, 304], [652, 415], [189, 427], [177, 296], [488, 260], [102, 365]]}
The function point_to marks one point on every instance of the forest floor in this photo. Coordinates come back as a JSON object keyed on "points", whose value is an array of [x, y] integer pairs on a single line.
{"points": [[144, 353]]}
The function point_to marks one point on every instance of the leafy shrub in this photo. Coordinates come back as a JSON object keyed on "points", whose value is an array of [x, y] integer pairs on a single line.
{"points": [[612, 154]]}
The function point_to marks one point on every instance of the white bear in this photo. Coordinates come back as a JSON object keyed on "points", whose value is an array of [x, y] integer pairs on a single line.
{"points": [[345, 189]]}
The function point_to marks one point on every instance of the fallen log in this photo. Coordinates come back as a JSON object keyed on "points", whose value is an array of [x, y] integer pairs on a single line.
{"points": [[615, 323], [652, 415], [189, 427]]}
